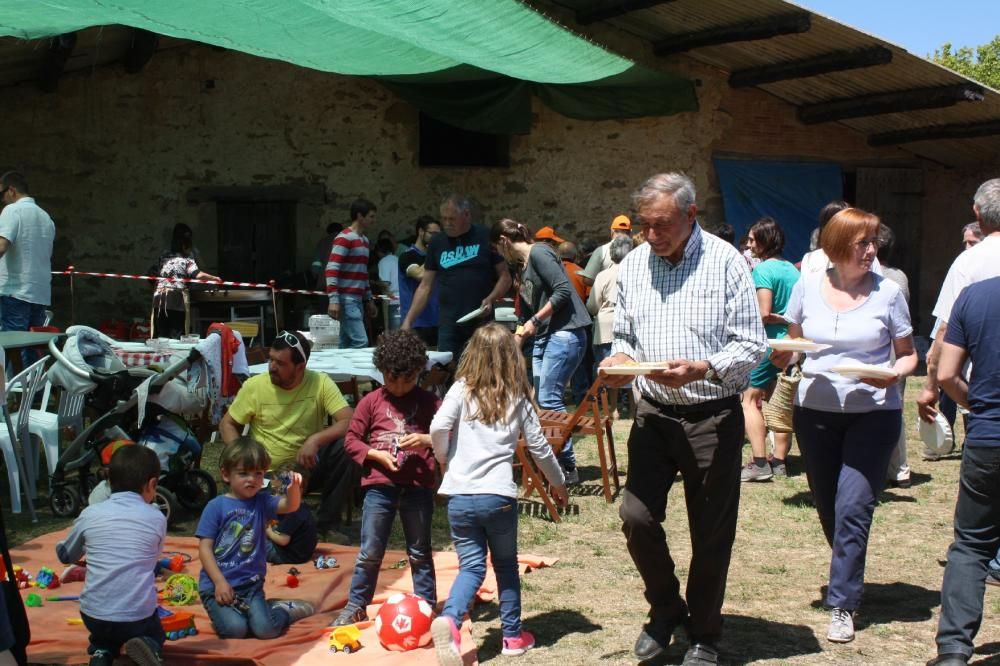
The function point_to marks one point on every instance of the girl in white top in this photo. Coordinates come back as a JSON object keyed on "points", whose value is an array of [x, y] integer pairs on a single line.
{"points": [[475, 435]]}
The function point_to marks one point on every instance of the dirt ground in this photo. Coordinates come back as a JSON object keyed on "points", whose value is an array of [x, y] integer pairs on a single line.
{"points": [[589, 607]]}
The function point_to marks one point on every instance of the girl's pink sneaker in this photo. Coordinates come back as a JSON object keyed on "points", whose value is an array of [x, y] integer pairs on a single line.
{"points": [[447, 641], [518, 645]]}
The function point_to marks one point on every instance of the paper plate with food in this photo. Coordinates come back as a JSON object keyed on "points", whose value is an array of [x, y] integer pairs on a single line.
{"points": [[634, 368], [864, 371], [796, 345]]}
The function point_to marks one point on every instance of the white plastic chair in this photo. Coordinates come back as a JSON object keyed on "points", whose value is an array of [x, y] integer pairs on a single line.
{"points": [[45, 425], [25, 385]]}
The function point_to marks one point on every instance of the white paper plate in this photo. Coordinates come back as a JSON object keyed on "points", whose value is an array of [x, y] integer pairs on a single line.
{"points": [[864, 371], [789, 344], [472, 315], [640, 369], [937, 436]]}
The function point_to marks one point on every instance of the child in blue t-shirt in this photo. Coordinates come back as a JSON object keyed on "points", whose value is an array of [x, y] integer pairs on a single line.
{"points": [[232, 547], [292, 538]]}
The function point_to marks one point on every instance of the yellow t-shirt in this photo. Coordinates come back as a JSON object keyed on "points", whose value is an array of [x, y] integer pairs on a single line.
{"points": [[282, 420]]}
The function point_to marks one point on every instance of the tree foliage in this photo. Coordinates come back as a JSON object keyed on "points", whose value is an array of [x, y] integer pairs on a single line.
{"points": [[981, 63]]}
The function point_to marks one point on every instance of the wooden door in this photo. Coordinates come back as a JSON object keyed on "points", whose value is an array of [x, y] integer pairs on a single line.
{"points": [[896, 196], [256, 240]]}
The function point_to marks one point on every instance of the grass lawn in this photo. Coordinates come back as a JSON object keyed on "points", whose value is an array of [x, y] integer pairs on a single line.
{"points": [[589, 607]]}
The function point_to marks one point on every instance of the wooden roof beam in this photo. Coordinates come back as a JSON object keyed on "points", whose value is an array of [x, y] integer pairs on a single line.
{"points": [[935, 133], [937, 97], [835, 61], [609, 9], [140, 50], [56, 56], [746, 31]]}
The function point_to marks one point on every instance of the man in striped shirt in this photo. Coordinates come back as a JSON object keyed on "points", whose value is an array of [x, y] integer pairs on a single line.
{"points": [[686, 300], [347, 277]]}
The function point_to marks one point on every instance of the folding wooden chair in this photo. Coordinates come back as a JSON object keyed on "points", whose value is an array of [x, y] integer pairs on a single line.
{"points": [[592, 417], [532, 481]]}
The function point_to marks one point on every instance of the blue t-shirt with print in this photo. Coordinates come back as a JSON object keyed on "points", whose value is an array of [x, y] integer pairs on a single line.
{"points": [[465, 268], [237, 529], [973, 326]]}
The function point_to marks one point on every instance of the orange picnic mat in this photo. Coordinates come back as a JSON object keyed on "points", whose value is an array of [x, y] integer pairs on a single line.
{"points": [[55, 641]]}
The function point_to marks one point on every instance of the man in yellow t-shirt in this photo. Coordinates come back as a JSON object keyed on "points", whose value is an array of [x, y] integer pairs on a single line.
{"points": [[289, 413]]}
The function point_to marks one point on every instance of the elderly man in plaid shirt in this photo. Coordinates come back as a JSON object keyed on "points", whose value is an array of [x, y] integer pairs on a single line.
{"points": [[685, 298]]}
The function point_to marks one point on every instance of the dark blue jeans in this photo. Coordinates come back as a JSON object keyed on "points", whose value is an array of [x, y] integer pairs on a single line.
{"points": [[845, 457], [415, 507], [111, 636], [479, 522], [977, 537], [18, 315], [248, 615]]}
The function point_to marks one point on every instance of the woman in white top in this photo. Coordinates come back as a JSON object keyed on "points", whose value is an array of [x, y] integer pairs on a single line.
{"points": [[601, 304], [846, 423]]}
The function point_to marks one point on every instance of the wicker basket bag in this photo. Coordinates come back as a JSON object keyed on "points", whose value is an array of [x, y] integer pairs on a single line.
{"points": [[778, 410]]}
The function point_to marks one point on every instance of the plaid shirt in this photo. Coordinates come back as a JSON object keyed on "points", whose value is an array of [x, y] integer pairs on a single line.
{"points": [[704, 308]]}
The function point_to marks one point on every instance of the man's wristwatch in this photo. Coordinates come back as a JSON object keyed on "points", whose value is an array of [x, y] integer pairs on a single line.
{"points": [[536, 321], [711, 375]]}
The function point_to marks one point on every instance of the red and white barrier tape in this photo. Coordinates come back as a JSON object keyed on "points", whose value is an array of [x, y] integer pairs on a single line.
{"points": [[71, 271]]}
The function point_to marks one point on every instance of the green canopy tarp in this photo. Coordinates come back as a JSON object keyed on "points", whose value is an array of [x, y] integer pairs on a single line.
{"points": [[510, 41]]}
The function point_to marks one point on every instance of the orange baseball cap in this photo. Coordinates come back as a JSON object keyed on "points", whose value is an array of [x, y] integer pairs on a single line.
{"points": [[547, 233], [621, 223]]}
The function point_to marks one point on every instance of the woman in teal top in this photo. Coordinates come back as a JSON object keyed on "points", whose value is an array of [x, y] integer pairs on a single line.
{"points": [[774, 278]]}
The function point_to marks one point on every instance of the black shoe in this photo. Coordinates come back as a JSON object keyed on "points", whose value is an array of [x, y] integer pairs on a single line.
{"points": [[102, 658], [655, 637], [701, 654], [349, 615], [144, 651], [948, 660]]}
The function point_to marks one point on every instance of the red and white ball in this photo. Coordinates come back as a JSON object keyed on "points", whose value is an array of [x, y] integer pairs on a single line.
{"points": [[404, 622]]}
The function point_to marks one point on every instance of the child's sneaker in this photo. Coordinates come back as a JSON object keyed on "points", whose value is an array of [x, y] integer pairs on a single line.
{"points": [[518, 645], [447, 641], [349, 615], [143, 651], [102, 658], [296, 608]]}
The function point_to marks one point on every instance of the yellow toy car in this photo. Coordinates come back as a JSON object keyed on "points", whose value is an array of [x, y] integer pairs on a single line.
{"points": [[345, 638]]}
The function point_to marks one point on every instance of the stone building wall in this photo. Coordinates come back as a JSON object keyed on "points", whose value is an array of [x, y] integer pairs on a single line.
{"points": [[113, 157]]}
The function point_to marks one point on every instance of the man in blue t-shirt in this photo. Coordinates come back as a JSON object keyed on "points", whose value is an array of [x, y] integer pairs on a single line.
{"points": [[469, 274], [971, 335]]}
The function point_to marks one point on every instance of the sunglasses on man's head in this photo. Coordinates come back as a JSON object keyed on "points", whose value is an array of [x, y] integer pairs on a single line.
{"points": [[292, 340]]}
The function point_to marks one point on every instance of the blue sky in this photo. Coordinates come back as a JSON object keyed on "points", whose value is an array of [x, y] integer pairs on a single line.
{"points": [[919, 26]]}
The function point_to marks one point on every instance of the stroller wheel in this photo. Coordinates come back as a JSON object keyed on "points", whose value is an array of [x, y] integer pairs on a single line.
{"points": [[166, 502], [65, 501], [194, 489]]}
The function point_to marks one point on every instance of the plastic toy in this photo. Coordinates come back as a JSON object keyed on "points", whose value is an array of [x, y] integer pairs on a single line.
{"points": [[177, 624], [68, 598], [292, 580], [179, 590], [74, 620], [47, 579], [175, 562], [404, 622], [22, 577], [346, 639], [329, 562], [33, 600]]}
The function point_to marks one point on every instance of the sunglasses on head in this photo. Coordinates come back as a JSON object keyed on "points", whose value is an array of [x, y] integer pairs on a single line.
{"points": [[292, 340]]}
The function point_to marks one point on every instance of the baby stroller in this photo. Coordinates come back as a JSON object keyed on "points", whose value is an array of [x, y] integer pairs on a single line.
{"points": [[135, 405]]}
